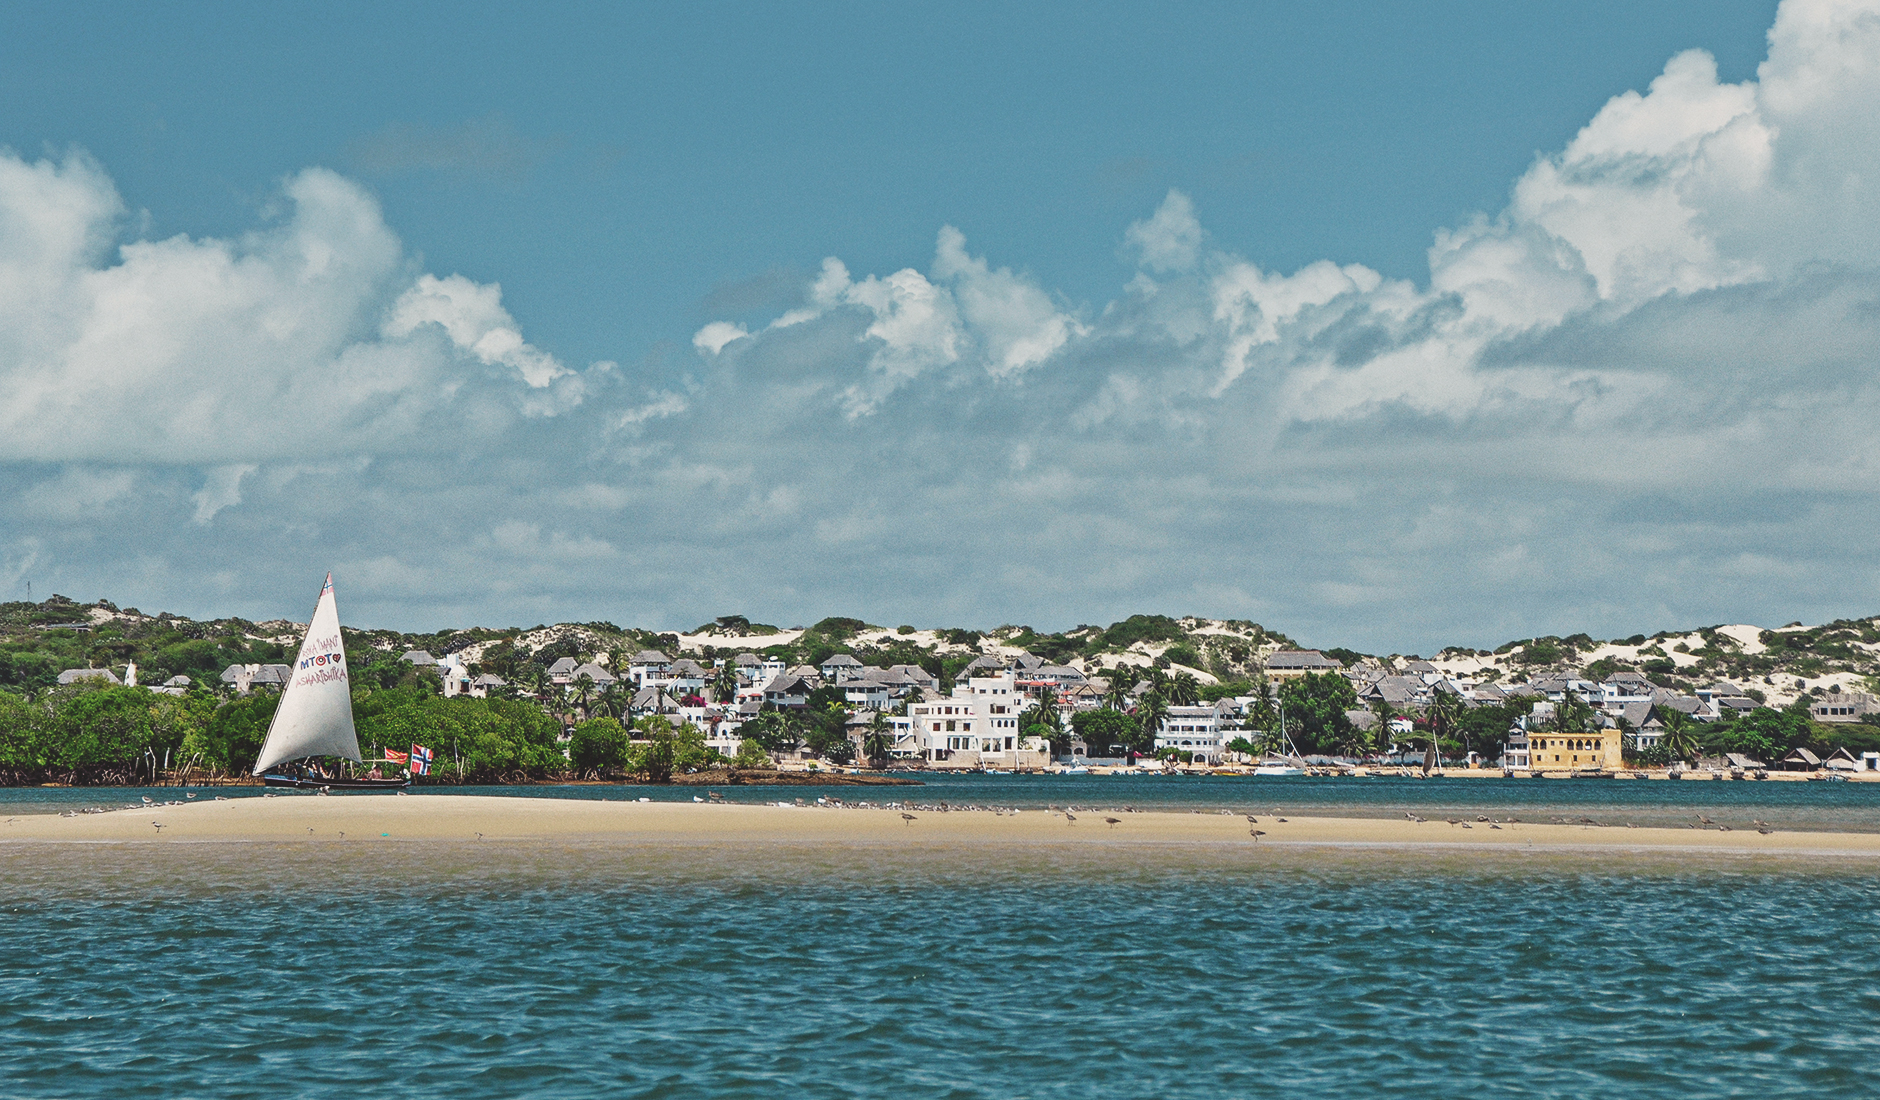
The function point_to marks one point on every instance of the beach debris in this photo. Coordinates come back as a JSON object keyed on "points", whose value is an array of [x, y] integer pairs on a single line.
{"points": [[1113, 822], [909, 818]]}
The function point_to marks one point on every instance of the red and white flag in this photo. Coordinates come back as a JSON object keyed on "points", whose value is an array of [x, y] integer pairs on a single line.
{"points": [[420, 760], [397, 757]]}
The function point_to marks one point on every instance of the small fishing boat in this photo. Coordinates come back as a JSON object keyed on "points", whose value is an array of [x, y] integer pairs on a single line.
{"points": [[315, 718]]}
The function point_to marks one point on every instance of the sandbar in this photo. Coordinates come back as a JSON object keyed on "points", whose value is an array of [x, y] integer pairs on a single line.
{"points": [[380, 819]]}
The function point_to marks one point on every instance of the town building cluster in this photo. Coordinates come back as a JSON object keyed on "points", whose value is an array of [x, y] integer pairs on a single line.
{"points": [[980, 722]]}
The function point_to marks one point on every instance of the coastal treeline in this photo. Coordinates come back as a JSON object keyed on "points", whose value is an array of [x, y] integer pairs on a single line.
{"points": [[94, 733]]}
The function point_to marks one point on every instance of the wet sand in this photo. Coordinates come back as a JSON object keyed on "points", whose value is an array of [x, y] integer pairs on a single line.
{"points": [[369, 819]]}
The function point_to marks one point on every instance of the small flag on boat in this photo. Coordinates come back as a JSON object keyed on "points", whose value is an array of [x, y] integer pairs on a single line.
{"points": [[397, 757], [420, 760]]}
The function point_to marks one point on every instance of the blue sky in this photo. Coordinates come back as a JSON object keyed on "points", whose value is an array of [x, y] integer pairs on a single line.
{"points": [[1122, 376]]}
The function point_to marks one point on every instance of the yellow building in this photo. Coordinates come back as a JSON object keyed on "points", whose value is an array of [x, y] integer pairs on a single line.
{"points": [[1582, 751]]}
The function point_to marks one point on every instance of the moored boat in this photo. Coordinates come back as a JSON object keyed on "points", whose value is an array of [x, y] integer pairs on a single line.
{"points": [[314, 719]]}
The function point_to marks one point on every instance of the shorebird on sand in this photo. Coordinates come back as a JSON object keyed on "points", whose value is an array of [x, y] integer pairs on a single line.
{"points": [[1257, 834], [159, 825], [1492, 826], [1070, 817], [1113, 822], [909, 818]]}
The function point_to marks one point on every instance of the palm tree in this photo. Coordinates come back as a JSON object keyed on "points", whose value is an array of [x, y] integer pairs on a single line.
{"points": [[1184, 690], [1151, 709], [1445, 713], [584, 693], [612, 701], [1680, 739], [1116, 694], [877, 742], [1386, 714], [725, 683], [1044, 714]]}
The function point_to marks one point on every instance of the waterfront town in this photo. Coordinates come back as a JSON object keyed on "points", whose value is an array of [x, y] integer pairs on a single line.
{"points": [[1189, 694], [1018, 711]]}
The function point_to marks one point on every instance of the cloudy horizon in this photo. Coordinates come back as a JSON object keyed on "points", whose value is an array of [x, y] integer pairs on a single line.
{"points": [[1637, 395]]}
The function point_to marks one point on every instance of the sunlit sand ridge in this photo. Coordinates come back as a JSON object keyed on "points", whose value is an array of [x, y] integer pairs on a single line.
{"points": [[378, 819]]}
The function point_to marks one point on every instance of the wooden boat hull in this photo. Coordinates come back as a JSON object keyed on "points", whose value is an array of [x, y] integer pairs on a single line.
{"points": [[305, 783]]}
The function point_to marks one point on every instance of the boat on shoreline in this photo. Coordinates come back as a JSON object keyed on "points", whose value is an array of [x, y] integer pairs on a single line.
{"points": [[315, 719]]}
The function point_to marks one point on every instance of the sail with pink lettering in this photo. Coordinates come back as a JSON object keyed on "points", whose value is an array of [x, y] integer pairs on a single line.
{"points": [[315, 716]]}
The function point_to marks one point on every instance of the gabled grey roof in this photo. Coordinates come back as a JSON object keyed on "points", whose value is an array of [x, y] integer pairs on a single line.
{"points": [[687, 667], [1301, 658], [231, 674], [1489, 691], [178, 682], [986, 661], [1029, 663], [1628, 678], [419, 657], [596, 673], [787, 684], [842, 660], [747, 660], [651, 657], [73, 675], [563, 667], [1637, 712], [1802, 756], [272, 674], [490, 679]]}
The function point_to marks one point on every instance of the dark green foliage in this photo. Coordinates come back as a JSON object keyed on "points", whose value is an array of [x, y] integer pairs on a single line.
{"points": [[1226, 689], [1106, 730], [1343, 656], [1315, 706], [1601, 669], [839, 629], [1183, 654], [1136, 628], [601, 745]]}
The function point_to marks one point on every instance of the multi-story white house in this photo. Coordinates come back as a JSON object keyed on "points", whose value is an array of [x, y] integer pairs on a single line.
{"points": [[977, 726], [649, 668], [1194, 730]]}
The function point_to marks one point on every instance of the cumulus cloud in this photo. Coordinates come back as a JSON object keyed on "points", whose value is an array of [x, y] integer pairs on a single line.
{"points": [[1638, 394], [301, 337]]}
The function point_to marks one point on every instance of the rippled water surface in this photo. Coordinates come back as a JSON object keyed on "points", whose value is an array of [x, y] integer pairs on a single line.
{"points": [[561, 970]]}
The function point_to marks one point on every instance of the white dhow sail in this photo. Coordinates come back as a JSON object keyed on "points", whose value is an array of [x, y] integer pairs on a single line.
{"points": [[315, 715]]}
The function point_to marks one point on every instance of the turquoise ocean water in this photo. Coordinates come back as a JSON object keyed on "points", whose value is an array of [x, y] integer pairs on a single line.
{"points": [[578, 970]]}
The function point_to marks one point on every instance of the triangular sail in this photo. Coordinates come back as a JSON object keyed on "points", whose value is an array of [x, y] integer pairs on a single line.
{"points": [[315, 716]]}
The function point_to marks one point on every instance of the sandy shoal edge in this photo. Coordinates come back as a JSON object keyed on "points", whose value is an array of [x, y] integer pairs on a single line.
{"points": [[491, 818]]}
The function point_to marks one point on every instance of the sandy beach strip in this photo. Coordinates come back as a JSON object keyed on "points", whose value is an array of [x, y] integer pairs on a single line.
{"points": [[380, 818]]}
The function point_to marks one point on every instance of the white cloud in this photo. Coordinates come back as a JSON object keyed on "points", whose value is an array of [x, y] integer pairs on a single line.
{"points": [[257, 348], [1170, 239], [221, 488], [1656, 362], [472, 314]]}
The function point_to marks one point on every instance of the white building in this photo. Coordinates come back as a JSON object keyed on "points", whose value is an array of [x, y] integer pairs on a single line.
{"points": [[1194, 730], [976, 726]]}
